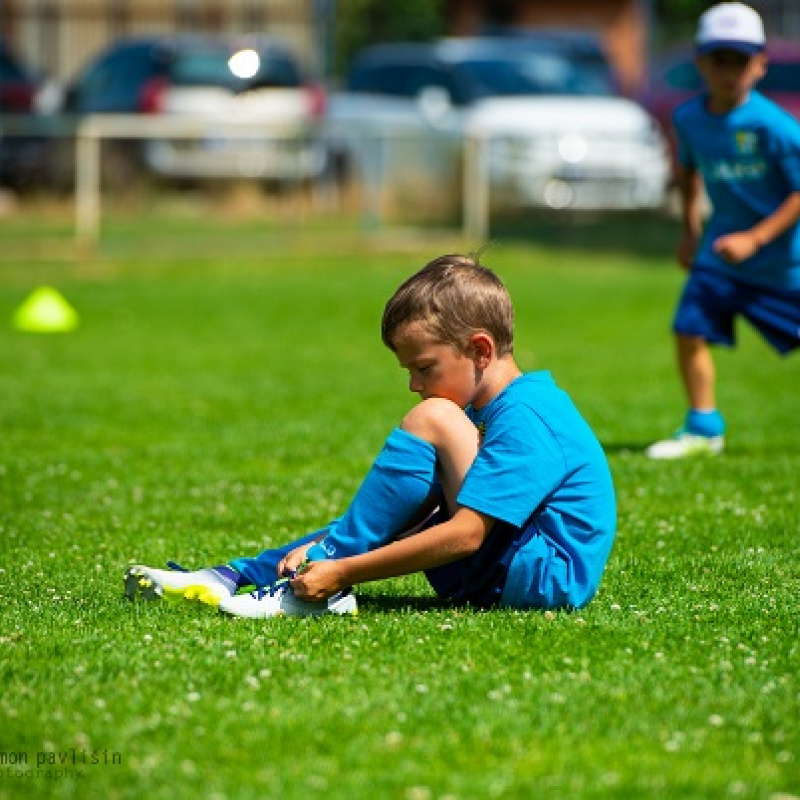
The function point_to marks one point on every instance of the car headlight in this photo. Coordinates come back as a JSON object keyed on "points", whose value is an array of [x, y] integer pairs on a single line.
{"points": [[572, 147]]}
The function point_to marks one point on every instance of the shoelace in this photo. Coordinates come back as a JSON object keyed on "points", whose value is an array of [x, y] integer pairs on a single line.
{"points": [[175, 567], [272, 589]]}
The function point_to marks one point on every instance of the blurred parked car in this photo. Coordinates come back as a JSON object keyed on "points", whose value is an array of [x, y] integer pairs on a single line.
{"points": [[581, 46], [558, 133], [218, 80], [18, 88], [675, 79]]}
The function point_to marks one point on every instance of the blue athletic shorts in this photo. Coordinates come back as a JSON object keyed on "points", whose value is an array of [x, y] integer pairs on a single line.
{"points": [[711, 301], [479, 579]]}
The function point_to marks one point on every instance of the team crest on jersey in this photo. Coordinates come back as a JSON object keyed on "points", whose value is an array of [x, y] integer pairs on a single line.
{"points": [[746, 143]]}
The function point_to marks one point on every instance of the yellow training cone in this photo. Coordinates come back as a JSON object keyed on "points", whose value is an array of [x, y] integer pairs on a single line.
{"points": [[45, 311]]}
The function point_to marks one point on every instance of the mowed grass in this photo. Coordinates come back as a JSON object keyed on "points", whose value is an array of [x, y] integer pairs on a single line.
{"points": [[223, 398]]}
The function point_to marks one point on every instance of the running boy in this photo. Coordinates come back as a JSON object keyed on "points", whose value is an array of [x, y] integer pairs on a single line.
{"points": [[746, 150], [493, 484]]}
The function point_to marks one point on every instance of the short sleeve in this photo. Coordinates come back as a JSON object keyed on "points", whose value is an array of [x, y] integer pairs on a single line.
{"points": [[518, 465]]}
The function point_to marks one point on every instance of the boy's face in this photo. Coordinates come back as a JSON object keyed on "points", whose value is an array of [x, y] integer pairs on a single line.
{"points": [[729, 75], [435, 369]]}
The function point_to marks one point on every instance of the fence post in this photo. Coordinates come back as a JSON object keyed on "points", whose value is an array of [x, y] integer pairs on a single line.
{"points": [[476, 188], [373, 176], [87, 184]]}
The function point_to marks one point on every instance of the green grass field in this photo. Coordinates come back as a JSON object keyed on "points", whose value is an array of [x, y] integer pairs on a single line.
{"points": [[227, 389]]}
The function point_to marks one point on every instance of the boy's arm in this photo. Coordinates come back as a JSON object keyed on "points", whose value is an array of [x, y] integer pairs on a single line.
{"points": [[736, 247], [457, 538], [690, 187]]}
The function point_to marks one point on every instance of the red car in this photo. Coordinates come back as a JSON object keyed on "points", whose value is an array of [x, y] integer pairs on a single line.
{"points": [[676, 79]]}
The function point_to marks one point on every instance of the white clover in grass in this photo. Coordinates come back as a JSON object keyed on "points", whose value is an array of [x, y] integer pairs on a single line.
{"points": [[716, 720], [549, 615], [616, 607], [784, 757], [252, 682], [393, 738], [421, 688], [418, 793], [82, 739], [264, 673], [193, 697]]}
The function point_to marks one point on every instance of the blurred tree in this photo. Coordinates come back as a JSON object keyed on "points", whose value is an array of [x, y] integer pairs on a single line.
{"points": [[363, 22], [681, 13]]}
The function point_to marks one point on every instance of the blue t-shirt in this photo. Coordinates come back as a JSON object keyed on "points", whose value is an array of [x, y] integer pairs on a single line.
{"points": [[749, 159], [540, 465]]}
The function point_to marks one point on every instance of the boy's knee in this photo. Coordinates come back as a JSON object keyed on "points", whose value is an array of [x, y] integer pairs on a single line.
{"points": [[435, 419]]}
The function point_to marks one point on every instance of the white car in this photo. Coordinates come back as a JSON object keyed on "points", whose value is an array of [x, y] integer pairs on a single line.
{"points": [[216, 82], [556, 133]]}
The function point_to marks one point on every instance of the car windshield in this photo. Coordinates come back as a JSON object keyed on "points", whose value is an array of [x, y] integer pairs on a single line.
{"points": [[535, 73], [232, 70], [781, 78]]}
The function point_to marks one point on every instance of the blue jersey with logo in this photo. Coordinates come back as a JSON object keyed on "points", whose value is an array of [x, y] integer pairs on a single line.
{"points": [[540, 467], [749, 159]]}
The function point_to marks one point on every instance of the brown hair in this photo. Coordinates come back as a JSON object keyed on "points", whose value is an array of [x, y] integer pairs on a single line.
{"points": [[452, 297]]}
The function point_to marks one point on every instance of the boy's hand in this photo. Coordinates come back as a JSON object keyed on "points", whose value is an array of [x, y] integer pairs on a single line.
{"points": [[291, 561], [318, 580], [736, 247]]}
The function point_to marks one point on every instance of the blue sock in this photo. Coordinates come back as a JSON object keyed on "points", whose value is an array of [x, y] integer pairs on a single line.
{"points": [[400, 480], [704, 423], [262, 570]]}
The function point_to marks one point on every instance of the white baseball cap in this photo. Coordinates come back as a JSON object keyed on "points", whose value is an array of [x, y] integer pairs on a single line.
{"points": [[730, 26]]}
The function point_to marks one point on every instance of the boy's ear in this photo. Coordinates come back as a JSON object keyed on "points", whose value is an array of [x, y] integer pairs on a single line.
{"points": [[483, 347]]}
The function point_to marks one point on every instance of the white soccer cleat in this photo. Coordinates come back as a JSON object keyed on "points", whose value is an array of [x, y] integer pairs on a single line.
{"points": [[279, 600], [205, 585], [686, 445]]}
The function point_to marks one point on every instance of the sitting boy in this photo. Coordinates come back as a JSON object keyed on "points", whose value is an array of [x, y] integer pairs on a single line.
{"points": [[493, 485]]}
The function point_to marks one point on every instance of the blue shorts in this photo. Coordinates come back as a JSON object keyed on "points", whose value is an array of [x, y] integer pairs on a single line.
{"points": [[479, 579], [711, 301]]}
